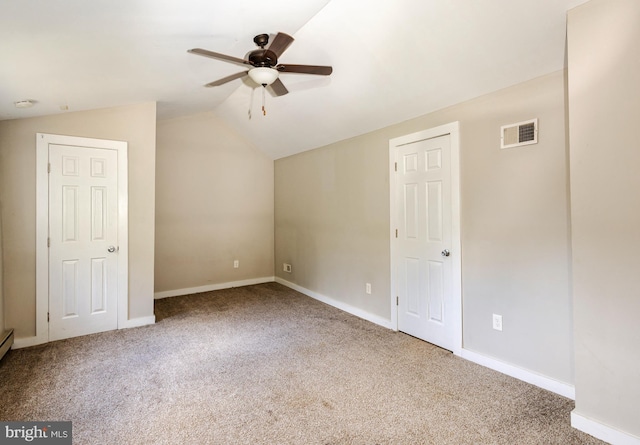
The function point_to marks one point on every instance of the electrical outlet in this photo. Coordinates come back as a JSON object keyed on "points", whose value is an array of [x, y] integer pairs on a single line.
{"points": [[236, 264], [367, 288], [497, 322], [286, 267]]}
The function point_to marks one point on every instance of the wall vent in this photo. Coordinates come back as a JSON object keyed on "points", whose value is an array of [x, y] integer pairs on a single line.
{"points": [[522, 133]]}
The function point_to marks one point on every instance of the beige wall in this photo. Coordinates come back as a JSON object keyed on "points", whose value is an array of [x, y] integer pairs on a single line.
{"points": [[214, 205], [332, 224], [1, 273], [604, 110], [134, 124]]}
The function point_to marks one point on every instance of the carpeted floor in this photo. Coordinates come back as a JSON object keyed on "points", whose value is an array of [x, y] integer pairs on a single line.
{"points": [[266, 365]]}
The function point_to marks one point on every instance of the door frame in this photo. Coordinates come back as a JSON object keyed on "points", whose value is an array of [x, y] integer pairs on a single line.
{"points": [[42, 225], [453, 130]]}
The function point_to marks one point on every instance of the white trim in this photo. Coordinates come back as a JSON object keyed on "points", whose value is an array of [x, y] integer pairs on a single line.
{"points": [[453, 130], [211, 287], [42, 227], [602, 431], [381, 321], [42, 251], [123, 231], [561, 388], [27, 342], [137, 322]]}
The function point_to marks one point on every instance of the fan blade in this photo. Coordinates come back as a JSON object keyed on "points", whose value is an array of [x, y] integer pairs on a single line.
{"points": [[218, 56], [280, 43], [306, 69], [278, 88], [224, 80]]}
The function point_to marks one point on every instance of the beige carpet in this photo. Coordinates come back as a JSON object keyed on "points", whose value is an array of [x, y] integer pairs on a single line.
{"points": [[266, 365]]}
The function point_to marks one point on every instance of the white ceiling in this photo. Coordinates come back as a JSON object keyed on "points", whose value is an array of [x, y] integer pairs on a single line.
{"points": [[392, 60]]}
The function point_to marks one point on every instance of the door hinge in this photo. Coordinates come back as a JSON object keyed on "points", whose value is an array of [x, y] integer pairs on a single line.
{"points": [[48, 242], [397, 300], [49, 167], [47, 317], [396, 166], [396, 233]]}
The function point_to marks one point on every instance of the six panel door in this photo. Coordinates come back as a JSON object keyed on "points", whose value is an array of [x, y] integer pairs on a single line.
{"points": [[83, 232], [424, 272]]}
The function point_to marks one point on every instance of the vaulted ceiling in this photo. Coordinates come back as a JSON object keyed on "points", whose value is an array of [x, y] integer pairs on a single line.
{"points": [[392, 60]]}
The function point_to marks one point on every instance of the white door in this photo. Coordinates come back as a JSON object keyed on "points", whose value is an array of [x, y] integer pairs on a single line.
{"points": [[423, 266], [83, 232]]}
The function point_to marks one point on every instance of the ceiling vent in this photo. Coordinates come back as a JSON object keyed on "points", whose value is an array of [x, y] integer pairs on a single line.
{"points": [[522, 133]]}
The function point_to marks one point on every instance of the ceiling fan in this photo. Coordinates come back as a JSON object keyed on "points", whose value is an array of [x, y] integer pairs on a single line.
{"points": [[264, 67]]}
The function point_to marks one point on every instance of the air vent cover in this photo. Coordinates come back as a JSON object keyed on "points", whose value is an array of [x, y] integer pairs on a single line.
{"points": [[522, 133]]}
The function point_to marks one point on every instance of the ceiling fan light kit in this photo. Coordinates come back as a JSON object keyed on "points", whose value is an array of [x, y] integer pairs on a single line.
{"points": [[265, 69], [263, 76]]}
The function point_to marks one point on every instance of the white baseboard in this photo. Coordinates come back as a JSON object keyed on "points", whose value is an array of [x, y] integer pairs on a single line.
{"points": [[337, 304], [561, 388], [602, 431], [211, 287], [137, 322], [26, 342]]}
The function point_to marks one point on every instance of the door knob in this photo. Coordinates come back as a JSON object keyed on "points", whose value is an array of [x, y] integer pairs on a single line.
{"points": [[445, 252], [111, 249]]}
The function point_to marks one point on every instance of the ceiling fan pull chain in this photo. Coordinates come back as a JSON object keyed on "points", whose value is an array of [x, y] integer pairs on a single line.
{"points": [[264, 111]]}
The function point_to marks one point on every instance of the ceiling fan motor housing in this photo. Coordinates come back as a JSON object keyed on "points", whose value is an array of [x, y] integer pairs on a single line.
{"points": [[263, 58]]}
